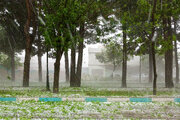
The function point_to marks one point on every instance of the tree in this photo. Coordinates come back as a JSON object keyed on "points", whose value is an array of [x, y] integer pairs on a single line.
{"points": [[39, 49], [150, 32], [30, 22], [61, 29], [5, 61], [124, 12], [170, 9], [47, 70], [175, 51], [153, 37], [66, 65], [176, 13], [12, 22], [112, 55], [87, 16]]}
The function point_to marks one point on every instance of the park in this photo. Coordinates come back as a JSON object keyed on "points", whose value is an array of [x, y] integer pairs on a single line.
{"points": [[89, 59]]}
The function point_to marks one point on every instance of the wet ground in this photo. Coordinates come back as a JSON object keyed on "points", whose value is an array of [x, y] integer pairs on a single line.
{"points": [[89, 110]]}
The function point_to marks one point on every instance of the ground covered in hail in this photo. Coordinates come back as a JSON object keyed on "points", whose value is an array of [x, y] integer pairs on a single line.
{"points": [[37, 110], [89, 110]]}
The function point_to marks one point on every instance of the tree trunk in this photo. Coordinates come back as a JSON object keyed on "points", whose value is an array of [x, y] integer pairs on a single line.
{"points": [[39, 45], [40, 68], [153, 38], [73, 80], [28, 47], [47, 71], [57, 70], [114, 68], [150, 64], [176, 55], [27, 65], [67, 66], [168, 54], [79, 64], [139, 69], [29, 41], [124, 63], [13, 65], [154, 66], [39, 57], [168, 69], [80, 56]]}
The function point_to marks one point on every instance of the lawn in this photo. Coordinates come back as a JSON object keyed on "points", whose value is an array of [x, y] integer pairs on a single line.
{"points": [[89, 110], [37, 110], [86, 91]]}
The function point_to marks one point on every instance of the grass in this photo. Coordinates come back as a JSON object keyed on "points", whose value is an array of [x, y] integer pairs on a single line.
{"points": [[26, 110], [84, 91], [90, 110]]}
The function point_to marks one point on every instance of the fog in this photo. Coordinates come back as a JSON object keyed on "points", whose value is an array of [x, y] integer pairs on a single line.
{"points": [[94, 73]]}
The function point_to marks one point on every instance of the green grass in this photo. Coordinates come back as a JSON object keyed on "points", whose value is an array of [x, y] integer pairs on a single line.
{"points": [[55, 110], [80, 92]]}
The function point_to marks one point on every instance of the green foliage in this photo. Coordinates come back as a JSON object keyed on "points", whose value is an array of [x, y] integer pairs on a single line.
{"points": [[62, 20], [5, 61], [112, 54]]}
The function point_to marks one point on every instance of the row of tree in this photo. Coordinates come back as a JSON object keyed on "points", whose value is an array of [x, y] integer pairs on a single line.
{"points": [[55, 26]]}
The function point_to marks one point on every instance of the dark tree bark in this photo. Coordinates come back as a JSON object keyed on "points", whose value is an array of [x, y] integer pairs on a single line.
{"points": [[73, 79], [153, 49], [27, 65], [28, 47], [29, 41], [155, 73], [39, 58], [168, 53], [150, 64], [57, 70], [176, 55], [13, 65], [124, 63], [39, 46], [47, 71], [80, 56], [67, 66]]}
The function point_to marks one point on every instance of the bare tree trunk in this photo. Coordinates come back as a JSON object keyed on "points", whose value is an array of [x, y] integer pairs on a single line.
{"points": [[28, 47], [168, 54], [27, 65], [57, 71], [124, 63], [39, 58], [80, 56], [79, 64], [168, 69], [13, 65], [176, 55], [155, 73], [153, 49], [66, 65], [73, 79], [139, 69], [40, 68], [29, 41], [47, 71], [150, 64]]}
